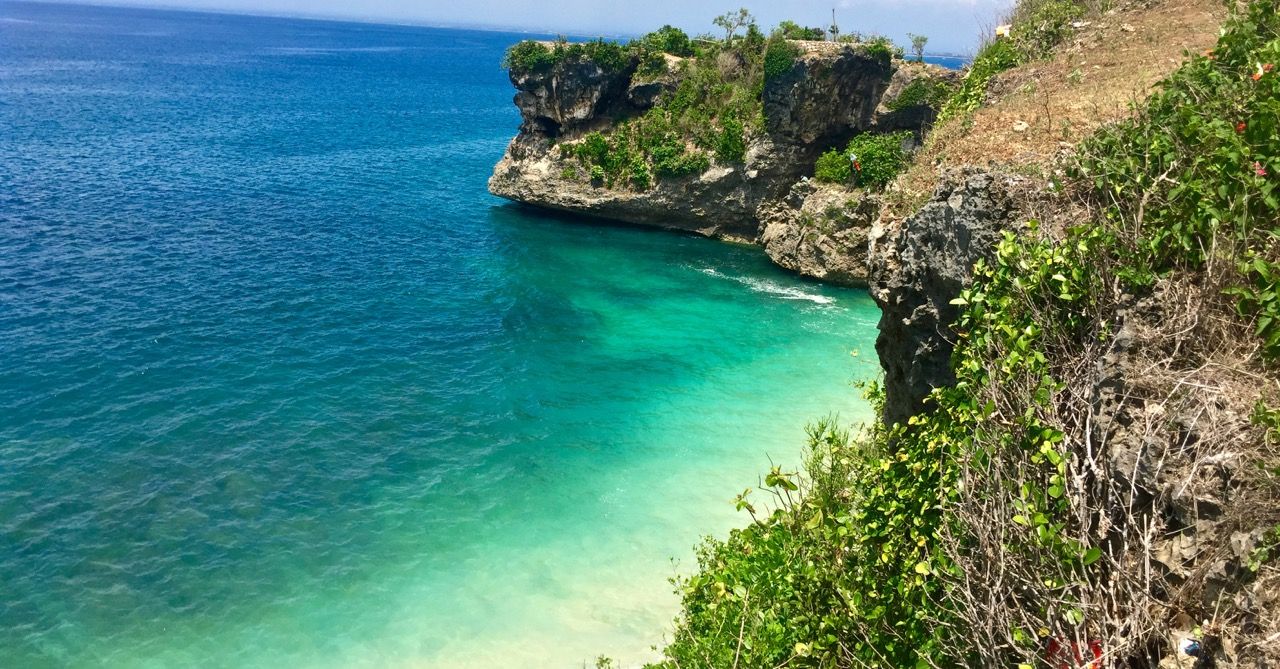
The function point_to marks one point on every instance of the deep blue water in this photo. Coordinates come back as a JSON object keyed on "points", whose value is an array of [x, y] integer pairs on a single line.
{"points": [[281, 385]]}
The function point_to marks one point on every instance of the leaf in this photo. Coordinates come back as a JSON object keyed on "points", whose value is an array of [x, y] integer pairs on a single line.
{"points": [[922, 568], [1091, 556]]}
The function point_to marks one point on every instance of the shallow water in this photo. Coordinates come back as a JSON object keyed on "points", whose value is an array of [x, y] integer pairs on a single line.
{"points": [[282, 385]]}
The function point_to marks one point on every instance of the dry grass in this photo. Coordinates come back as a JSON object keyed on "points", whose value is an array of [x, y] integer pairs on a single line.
{"points": [[1090, 81], [1167, 479]]}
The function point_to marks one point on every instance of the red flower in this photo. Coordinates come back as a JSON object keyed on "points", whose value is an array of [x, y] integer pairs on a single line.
{"points": [[1256, 76], [1258, 169], [1240, 127], [1268, 67], [857, 166]]}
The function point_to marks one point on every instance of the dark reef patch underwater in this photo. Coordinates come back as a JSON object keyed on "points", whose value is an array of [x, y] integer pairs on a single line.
{"points": [[282, 385]]}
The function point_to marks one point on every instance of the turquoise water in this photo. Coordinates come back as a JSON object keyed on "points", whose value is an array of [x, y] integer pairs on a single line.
{"points": [[281, 385]]}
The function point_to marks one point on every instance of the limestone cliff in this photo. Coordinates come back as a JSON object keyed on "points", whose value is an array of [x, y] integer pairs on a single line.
{"points": [[918, 265], [830, 93]]}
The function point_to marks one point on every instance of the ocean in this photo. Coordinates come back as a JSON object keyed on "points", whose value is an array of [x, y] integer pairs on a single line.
{"points": [[282, 385]]}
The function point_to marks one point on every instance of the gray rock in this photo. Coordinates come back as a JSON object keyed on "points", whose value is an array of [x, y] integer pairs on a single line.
{"points": [[918, 266], [567, 97], [820, 231]]}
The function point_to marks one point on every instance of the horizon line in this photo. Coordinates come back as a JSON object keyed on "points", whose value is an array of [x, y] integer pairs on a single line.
{"points": [[360, 20]]}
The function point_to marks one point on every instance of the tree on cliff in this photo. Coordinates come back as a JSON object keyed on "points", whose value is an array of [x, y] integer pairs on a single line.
{"points": [[917, 45], [732, 22]]}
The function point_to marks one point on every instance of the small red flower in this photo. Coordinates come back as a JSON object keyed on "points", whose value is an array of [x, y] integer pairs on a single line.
{"points": [[1240, 127], [857, 166], [1256, 76], [1258, 169], [1268, 67]]}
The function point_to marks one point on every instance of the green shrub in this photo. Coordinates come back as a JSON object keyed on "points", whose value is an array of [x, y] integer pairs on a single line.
{"points": [[670, 159], [833, 167], [652, 64], [923, 91], [992, 59], [882, 48], [731, 146], [609, 56], [841, 573], [593, 149], [668, 39], [1198, 167], [640, 177], [779, 57], [793, 30], [880, 156], [528, 56], [1040, 25]]}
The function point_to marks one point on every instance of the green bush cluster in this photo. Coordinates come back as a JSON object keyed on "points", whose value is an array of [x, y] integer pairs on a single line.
{"points": [[882, 48], [668, 39], [923, 91], [848, 568], [881, 157], [711, 113], [992, 59], [1199, 168], [834, 575], [833, 167], [779, 57], [793, 30], [530, 55], [638, 151], [1040, 25]]}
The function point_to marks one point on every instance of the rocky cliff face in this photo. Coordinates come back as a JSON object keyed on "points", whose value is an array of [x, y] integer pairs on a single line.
{"points": [[569, 97], [831, 93], [917, 266]]}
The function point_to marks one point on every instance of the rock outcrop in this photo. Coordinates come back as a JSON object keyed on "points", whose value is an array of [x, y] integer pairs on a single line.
{"points": [[570, 96], [917, 266], [831, 93], [821, 231]]}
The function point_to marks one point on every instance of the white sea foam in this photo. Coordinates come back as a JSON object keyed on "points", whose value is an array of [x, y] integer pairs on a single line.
{"points": [[767, 287]]}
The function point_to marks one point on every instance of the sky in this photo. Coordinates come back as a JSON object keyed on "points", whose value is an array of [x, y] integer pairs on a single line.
{"points": [[952, 26]]}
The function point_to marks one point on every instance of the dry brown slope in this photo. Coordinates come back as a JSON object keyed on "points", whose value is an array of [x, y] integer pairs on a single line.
{"points": [[1091, 80]]}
